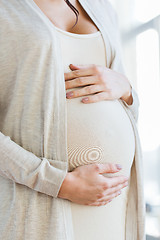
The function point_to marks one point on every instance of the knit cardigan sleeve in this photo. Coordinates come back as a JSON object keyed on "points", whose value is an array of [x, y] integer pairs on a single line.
{"points": [[23, 167]]}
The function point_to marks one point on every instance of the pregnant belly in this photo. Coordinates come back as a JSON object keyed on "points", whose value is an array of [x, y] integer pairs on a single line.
{"points": [[99, 133]]}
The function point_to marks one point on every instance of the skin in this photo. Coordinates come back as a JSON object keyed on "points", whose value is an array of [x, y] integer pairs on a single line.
{"points": [[98, 83], [92, 189], [103, 82]]}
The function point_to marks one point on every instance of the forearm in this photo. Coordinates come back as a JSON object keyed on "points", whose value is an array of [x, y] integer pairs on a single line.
{"points": [[23, 167]]}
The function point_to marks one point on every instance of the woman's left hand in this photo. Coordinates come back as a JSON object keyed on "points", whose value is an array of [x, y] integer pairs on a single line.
{"points": [[98, 82]]}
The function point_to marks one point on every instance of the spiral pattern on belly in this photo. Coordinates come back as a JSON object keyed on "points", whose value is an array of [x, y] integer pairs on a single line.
{"points": [[83, 155]]}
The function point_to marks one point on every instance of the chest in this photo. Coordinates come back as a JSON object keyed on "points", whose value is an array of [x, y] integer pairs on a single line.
{"points": [[62, 16]]}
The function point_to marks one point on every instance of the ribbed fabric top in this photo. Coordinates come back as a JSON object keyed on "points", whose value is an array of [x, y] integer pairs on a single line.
{"points": [[97, 133], [76, 35]]}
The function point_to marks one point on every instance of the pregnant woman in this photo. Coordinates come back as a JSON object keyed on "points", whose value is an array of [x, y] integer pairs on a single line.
{"points": [[70, 158]]}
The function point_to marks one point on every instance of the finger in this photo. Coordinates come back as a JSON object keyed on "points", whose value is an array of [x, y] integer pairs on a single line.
{"points": [[78, 73], [81, 66], [84, 91], [77, 67], [109, 197], [97, 97], [116, 189], [114, 181], [107, 167], [106, 199], [109, 192], [99, 203], [80, 81], [83, 70]]}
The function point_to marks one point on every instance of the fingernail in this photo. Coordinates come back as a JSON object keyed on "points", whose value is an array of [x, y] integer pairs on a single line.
{"points": [[119, 192], [84, 99], [119, 166], [73, 65], [76, 65], [69, 94]]}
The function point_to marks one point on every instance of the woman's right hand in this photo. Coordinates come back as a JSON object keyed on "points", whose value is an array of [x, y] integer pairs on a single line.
{"points": [[86, 185]]}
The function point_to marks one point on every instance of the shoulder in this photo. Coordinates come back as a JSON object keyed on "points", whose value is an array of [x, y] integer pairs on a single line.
{"points": [[6, 7], [5, 4], [105, 4], [104, 8], [109, 10]]}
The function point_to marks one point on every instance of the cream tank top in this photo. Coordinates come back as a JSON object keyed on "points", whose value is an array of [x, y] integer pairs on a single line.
{"points": [[96, 133]]}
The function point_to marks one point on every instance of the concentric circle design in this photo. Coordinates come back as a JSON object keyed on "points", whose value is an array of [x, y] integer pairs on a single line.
{"points": [[83, 155]]}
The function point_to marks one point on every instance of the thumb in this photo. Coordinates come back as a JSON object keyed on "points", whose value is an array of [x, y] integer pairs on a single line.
{"points": [[74, 67], [109, 168], [79, 66]]}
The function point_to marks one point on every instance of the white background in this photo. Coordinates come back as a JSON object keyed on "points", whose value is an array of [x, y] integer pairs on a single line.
{"points": [[139, 22]]}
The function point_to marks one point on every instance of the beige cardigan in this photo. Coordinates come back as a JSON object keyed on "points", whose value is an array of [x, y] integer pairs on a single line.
{"points": [[33, 143]]}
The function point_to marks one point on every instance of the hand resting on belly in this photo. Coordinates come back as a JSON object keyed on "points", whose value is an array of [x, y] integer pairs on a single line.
{"points": [[101, 82], [86, 184]]}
